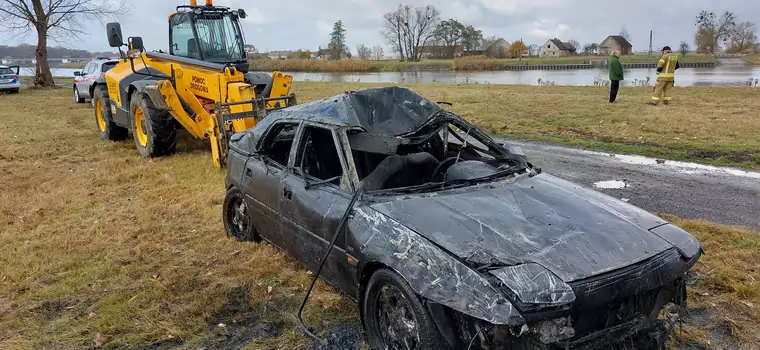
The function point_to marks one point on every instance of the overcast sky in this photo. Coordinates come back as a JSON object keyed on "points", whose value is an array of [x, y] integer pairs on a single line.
{"points": [[306, 24]]}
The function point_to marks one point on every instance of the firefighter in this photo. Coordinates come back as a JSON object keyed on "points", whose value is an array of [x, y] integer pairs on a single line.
{"points": [[666, 68]]}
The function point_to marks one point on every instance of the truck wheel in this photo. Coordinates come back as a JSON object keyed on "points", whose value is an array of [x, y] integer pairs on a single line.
{"points": [[77, 97], [107, 129], [154, 130], [237, 217], [395, 317]]}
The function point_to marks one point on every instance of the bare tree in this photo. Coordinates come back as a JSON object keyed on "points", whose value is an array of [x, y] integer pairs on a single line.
{"points": [[533, 49], [743, 36], [625, 34], [377, 52], [575, 44], [408, 30], [487, 42], [715, 29], [684, 48], [59, 20], [363, 52]]}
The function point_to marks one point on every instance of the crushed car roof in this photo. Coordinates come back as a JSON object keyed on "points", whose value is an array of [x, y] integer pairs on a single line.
{"points": [[382, 111]]}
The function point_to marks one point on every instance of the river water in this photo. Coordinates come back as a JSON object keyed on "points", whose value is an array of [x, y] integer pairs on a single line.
{"points": [[734, 72]]}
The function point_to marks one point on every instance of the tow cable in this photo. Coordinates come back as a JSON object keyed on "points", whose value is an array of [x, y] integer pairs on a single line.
{"points": [[342, 223]]}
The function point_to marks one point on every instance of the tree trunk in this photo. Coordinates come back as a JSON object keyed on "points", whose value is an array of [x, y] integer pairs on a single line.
{"points": [[42, 77]]}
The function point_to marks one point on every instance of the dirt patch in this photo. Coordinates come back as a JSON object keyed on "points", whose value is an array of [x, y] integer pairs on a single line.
{"points": [[51, 309], [240, 322], [347, 336]]}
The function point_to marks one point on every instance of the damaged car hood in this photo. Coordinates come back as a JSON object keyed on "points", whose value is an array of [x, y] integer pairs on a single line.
{"points": [[572, 231]]}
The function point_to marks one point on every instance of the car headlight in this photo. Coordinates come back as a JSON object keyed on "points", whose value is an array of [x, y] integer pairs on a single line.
{"points": [[533, 284], [686, 244]]}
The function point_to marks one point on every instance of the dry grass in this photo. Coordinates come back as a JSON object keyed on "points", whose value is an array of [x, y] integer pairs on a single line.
{"points": [[95, 239], [724, 305], [476, 63]]}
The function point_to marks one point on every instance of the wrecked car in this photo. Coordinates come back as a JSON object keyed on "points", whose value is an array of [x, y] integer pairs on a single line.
{"points": [[456, 241]]}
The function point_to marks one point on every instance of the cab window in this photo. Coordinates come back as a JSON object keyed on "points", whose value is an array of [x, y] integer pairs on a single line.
{"points": [[183, 41]]}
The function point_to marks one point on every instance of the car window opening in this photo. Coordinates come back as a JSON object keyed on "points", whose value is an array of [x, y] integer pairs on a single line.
{"points": [[423, 158], [277, 145], [318, 157]]}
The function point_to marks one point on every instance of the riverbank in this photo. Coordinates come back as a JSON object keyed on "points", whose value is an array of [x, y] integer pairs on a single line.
{"points": [[467, 64], [97, 240]]}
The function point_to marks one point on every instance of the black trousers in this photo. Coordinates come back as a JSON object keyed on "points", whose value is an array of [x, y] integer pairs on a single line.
{"points": [[614, 86]]}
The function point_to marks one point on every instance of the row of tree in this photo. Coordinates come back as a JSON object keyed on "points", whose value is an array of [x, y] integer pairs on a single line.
{"points": [[29, 51], [712, 31]]}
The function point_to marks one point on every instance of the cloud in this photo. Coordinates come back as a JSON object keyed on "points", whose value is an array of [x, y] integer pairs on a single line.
{"points": [[323, 27], [548, 28]]}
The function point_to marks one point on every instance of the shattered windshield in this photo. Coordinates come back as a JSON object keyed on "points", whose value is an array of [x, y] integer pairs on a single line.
{"points": [[445, 152]]}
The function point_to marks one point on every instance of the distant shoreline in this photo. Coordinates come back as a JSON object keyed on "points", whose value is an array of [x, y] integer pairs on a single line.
{"points": [[469, 64]]}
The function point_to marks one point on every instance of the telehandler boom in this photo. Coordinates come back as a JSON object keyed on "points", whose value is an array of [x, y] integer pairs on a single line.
{"points": [[202, 85]]}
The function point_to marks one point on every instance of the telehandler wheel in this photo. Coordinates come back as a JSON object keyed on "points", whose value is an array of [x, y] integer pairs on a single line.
{"points": [[154, 130], [107, 129]]}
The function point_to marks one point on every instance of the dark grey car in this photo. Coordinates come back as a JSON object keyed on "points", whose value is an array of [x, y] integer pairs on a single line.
{"points": [[84, 80], [453, 240]]}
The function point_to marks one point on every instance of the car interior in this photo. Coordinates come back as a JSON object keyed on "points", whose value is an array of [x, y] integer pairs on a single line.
{"points": [[386, 162]]}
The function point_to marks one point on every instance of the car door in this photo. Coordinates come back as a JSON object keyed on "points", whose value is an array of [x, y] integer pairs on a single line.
{"points": [[263, 176], [311, 215], [82, 81]]}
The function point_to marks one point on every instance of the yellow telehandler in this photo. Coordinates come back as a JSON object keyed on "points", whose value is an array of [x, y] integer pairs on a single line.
{"points": [[202, 84]]}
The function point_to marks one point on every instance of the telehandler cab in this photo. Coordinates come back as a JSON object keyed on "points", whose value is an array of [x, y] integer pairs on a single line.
{"points": [[202, 85]]}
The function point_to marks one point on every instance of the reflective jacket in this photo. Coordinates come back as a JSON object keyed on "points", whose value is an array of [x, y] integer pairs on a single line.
{"points": [[666, 67]]}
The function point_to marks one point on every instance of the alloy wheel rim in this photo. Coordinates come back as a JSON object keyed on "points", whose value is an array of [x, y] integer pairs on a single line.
{"points": [[398, 328]]}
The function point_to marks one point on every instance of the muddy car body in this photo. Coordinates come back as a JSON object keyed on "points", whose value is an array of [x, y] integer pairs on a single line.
{"points": [[456, 240]]}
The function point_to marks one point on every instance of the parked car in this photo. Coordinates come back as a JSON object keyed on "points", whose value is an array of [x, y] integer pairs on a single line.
{"points": [[9, 79], [454, 240], [86, 79]]}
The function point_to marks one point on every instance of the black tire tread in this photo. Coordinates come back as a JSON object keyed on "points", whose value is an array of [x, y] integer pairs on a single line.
{"points": [[252, 234], [162, 135], [80, 99], [113, 132], [430, 337]]}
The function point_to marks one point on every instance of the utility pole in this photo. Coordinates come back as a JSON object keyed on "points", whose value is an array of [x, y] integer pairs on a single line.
{"points": [[650, 43]]}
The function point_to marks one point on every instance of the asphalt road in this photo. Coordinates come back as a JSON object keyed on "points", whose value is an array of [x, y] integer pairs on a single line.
{"points": [[723, 195]]}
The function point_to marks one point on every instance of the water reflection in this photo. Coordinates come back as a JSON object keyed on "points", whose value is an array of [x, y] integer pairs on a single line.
{"points": [[730, 72]]}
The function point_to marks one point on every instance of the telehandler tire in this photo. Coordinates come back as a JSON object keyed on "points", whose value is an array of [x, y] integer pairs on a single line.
{"points": [[154, 130], [107, 129]]}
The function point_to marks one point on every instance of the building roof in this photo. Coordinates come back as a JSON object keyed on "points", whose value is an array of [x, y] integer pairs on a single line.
{"points": [[561, 45], [620, 40]]}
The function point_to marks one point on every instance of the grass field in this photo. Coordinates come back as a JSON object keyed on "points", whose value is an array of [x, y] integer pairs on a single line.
{"points": [[469, 63], [96, 240], [76, 65], [754, 59]]}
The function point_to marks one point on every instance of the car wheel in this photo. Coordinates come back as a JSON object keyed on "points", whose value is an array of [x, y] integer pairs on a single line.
{"points": [[395, 317], [77, 98], [14, 91], [107, 129], [237, 217], [154, 130]]}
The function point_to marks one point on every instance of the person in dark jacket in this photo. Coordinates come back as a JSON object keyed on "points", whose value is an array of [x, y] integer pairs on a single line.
{"points": [[616, 74]]}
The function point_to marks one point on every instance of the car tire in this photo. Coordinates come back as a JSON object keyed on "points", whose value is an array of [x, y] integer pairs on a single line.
{"points": [[234, 210], [388, 300], [77, 97], [107, 129], [154, 130]]}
